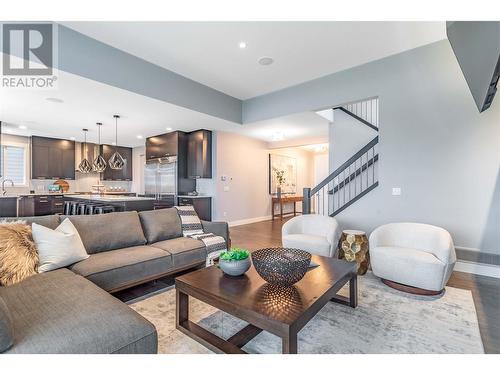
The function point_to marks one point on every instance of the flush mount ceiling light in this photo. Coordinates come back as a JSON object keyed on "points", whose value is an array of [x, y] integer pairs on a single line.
{"points": [[242, 45], [265, 60], [85, 166], [116, 160], [23, 127], [99, 163], [72, 138], [168, 129], [278, 136], [139, 137], [54, 100]]}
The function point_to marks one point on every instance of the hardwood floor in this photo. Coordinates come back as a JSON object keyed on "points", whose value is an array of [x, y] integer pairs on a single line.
{"points": [[485, 290]]}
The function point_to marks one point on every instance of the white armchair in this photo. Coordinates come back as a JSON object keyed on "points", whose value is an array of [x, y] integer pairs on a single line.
{"points": [[417, 258], [316, 234]]}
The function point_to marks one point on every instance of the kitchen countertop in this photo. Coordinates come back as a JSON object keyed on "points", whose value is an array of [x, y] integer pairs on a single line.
{"points": [[113, 198], [194, 196]]}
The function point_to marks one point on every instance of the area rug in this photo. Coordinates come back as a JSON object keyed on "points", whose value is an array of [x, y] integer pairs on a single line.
{"points": [[385, 321]]}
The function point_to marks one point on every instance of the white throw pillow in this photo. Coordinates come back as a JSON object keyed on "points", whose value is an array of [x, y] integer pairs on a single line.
{"points": [[58, 248]]}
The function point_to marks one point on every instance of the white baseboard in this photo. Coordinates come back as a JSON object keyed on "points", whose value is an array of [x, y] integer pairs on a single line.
{"points": [[478, 268], [249, 221]]}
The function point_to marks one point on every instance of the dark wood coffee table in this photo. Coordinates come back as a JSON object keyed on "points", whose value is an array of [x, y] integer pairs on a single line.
{"points": [[283, 312]]}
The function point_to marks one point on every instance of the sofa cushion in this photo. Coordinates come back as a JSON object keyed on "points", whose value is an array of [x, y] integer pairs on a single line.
{"points": [[408, 266], [61, 312], [159, 225], [50, 221], [185, 251], [109, 231], [6, 333], [114, 269]]}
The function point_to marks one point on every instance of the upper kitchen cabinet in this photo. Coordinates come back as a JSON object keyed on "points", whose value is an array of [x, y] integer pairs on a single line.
{"points": [[163, 145], [124, 174], [199, 154], [52, 158]]}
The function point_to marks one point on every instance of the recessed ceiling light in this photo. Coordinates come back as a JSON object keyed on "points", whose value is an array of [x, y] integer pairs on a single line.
{"points": [[54, 100], [113, 143], [23, 127], [139, 137], [278, 136], [168, 129], [242, 45], [72, 138], [266, 60]]}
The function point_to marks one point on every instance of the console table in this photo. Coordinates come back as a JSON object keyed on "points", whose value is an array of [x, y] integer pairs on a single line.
{"points": [[281, 201]]}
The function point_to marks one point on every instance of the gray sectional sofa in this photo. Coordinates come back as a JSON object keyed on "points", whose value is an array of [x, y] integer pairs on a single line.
{"points": [[70, 310]]}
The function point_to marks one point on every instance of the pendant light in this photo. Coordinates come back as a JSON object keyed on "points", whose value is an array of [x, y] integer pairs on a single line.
{"points": [[99, 163], [85, 166], [116, 160]]}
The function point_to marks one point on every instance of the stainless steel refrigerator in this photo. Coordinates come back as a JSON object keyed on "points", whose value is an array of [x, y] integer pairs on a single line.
{"points": [[160, 181]]}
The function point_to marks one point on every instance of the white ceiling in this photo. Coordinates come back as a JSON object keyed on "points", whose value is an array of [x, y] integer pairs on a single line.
{"points": [[87, 102], [208, 52]]}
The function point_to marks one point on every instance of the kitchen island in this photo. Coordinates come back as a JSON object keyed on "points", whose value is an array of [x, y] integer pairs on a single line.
{"points": [[119, 202]]}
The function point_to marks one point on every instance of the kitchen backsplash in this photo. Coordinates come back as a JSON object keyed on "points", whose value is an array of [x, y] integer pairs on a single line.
{"points": [[83, 183]]}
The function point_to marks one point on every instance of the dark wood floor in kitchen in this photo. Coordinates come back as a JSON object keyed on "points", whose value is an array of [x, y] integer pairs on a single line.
{"points": [[485, 290]]}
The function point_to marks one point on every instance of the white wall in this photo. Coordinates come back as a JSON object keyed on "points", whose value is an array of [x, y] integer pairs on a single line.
{"points": [[244, 162], [346, 137]]}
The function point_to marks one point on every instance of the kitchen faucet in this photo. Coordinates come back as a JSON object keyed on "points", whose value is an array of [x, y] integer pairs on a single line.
{"points": [[3, 185]]}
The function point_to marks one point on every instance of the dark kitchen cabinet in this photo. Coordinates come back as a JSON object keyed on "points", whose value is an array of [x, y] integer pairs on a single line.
{"points": [[41, 205], [162, 145], [202, 206], [124, 174], [52, 158], [199, 154], [8, 206], [26, 206], [1, 148]]}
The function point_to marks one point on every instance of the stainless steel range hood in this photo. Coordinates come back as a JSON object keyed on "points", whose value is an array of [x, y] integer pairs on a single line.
{"points": [[477, 48]]}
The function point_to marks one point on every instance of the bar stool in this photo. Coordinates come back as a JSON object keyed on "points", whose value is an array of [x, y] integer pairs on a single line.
{"points": [[81, 208], [67, 208], [89, 208], [104, 209], [74, 207]]}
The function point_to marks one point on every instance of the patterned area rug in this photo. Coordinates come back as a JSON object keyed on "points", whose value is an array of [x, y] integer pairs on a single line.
{"points": [[385, 321]]}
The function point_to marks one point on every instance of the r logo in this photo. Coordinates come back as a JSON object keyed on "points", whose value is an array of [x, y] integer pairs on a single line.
{"points": [[33, 44]]}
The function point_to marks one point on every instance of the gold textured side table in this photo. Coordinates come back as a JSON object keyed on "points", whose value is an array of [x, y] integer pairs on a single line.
{"points": [[353, 247]]}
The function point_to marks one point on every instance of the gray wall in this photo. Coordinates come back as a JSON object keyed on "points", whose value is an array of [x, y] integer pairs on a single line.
{"points": [[346, 137], [434, 143]]}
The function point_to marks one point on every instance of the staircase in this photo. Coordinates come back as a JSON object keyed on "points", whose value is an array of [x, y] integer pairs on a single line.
{"points": [[356, 177]]}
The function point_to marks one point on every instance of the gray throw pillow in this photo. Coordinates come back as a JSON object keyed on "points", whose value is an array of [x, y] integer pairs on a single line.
{"points": [[6, 333], [160, 225]]}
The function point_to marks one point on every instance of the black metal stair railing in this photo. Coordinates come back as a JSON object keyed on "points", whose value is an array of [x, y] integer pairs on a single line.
{"points": [[353, 179]]}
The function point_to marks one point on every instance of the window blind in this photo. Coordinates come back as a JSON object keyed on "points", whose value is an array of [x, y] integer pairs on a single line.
{"points": [[13, 164]]}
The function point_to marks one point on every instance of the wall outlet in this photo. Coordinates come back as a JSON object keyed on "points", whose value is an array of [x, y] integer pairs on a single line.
{"points": [[396, 191], [226, 188]]}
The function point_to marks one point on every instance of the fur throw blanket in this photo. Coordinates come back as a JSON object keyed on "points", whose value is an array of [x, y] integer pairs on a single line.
{"points": [[18, 253]]}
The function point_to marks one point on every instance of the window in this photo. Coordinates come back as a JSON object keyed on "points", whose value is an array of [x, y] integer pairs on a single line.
{"points": [[14, 163]]}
